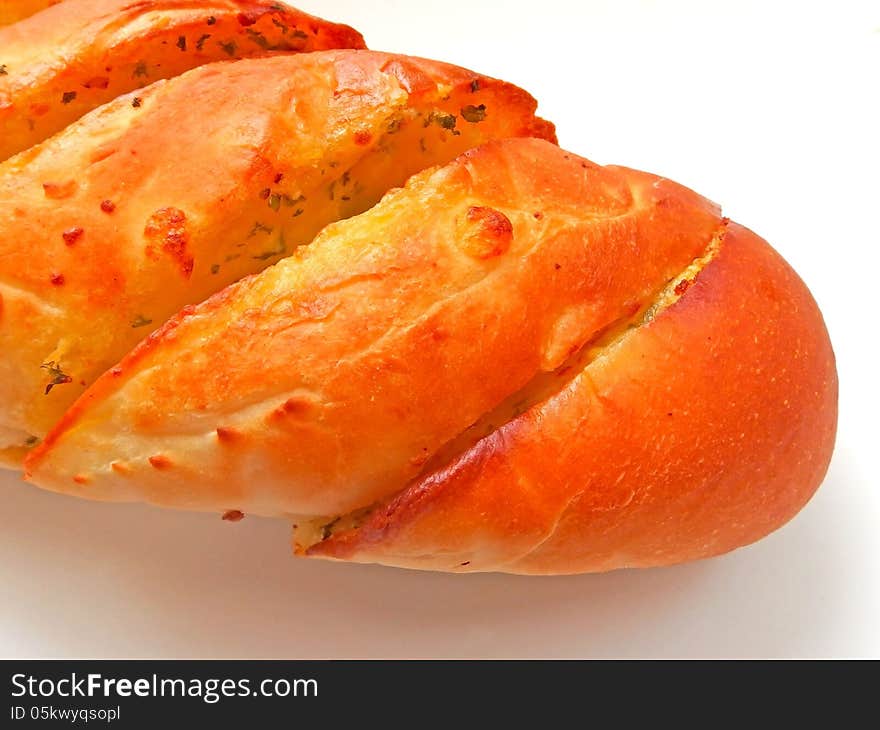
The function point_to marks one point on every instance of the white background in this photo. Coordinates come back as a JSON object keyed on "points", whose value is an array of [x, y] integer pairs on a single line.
{"points": [[770, 108]]}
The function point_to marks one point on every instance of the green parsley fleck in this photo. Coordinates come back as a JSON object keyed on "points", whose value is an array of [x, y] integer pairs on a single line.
{"points": [[442, 119], [59, 377], [259, 228], [474, 114], [140, 321], [258, 38]]}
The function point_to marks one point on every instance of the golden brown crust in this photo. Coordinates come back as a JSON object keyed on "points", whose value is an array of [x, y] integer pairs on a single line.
{"points": [[70, 59], [700, 431], [11, 11], [136, 210], [330, 380], [694, 412]]}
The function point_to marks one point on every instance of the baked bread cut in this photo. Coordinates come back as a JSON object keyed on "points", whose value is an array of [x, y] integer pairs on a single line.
{"points": [[166, 195], [63, 62], [521, 361], [702, 427]]}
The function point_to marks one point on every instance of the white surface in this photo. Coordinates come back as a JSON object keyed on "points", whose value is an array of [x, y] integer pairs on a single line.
{"points": [[770, 108]]}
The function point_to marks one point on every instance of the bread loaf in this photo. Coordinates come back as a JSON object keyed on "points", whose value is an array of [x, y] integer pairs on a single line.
{"points": [[166, 195], [521, 361], [71, 58], [215, 296]]}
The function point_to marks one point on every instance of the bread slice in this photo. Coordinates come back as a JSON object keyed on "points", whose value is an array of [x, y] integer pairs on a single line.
{"points": [[333, 379], [168, 194], [63, 62]]}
